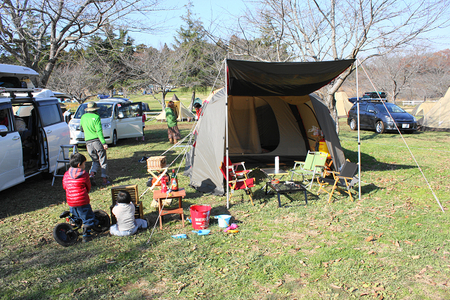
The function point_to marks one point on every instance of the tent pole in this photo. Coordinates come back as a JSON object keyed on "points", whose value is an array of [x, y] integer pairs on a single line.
{"points": [[359, 137], [226, 136]]}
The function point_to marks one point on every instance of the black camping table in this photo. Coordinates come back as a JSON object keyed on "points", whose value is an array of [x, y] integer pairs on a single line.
{"points": [[271, 174], [286, 187]]}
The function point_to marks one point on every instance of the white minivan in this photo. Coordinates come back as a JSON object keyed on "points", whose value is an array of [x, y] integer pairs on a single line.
{"points": [[32, 127], [120, 119]]}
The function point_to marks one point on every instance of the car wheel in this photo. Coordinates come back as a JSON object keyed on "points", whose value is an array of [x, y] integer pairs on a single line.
{"points": [[379, 127], [114, 139], [352, 124]]}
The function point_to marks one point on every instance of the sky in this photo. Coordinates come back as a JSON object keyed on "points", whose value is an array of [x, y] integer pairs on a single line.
{"points": [[170, 21], [220, 12]]}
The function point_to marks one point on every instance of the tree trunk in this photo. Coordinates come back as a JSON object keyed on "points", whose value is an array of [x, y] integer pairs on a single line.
{"points": [[46, 74]]}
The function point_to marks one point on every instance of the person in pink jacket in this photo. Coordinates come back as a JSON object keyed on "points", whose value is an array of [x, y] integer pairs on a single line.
{"points": [[77, 185]]}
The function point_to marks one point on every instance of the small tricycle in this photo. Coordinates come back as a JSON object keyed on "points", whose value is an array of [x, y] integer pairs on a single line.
{"points": [[66, 234]]}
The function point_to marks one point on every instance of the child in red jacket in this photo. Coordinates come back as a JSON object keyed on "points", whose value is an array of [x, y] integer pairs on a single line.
{"points": [[77, 185]]}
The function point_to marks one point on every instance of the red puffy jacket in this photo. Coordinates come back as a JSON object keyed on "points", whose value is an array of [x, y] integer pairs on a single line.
{"points": [[77, 185]]}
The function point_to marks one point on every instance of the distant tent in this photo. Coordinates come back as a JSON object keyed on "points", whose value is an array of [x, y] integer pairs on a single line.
{"points": [[422, 109], [270, 111], [342, 104], [180, 110], [438, 118]]}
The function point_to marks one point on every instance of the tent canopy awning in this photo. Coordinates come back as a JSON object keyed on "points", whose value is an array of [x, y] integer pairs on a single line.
{"points": [[250, 78]]}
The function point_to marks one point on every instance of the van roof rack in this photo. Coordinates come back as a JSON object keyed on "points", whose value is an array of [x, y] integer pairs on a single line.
{"points": [[12, 91], [374, 99]]}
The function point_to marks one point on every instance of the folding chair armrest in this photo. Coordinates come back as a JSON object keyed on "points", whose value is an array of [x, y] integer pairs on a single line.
{"points": [[334, 173], [298, 163], [242, 172], [239, 164], [343, 177]]}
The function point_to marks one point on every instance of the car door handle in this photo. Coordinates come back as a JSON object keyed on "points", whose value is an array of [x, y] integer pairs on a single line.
{"points": [[16, 138], [49, 131]]}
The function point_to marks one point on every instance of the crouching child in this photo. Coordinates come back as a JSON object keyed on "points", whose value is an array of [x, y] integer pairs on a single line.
{"points": [[124, 212], [77, 185]]}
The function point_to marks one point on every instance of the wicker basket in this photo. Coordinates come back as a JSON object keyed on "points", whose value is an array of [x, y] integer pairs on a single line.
{"points": [[156, 163]]}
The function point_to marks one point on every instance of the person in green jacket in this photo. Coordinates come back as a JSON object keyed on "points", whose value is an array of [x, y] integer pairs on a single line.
{"points": [[173, 132], [95, 142]]}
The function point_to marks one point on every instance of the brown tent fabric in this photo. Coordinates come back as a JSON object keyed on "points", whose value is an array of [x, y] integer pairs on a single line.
{"points": [[251, 78], [265, 124]]}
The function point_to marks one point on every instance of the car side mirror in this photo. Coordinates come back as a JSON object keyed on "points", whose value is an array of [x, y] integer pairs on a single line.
{"points": [[3, 130]]}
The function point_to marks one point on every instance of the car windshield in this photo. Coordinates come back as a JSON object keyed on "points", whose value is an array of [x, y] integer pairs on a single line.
{"points": [[391, 107], [104, 110]]}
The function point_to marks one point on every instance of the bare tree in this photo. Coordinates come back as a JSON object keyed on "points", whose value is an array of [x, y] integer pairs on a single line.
{"points": [[434, 80], [406, 74], [318, 30], [160, 68], [395, 72], [36, 32], [76, 78]]}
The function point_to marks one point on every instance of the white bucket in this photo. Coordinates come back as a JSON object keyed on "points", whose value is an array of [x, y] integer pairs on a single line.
{"points": [[224, 220]]}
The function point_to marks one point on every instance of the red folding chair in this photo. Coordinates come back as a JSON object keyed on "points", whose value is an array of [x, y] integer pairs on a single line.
{"points": [[238, 182]]}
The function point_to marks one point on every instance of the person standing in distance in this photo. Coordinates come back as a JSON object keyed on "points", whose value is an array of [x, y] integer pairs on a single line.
{"points": [[173, 132], [96, 145]]}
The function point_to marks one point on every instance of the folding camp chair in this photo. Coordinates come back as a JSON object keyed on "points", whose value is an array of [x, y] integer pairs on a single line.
{"points": [[237, 183], [345, 178], [313, 165], [238, 169]]}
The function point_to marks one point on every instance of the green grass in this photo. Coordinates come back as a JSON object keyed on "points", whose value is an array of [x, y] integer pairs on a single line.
{"points": [[391, 244]]}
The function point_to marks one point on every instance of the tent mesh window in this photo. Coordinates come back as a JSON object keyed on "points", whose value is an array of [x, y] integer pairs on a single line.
{"points": [[301, 127], [269, 133]]}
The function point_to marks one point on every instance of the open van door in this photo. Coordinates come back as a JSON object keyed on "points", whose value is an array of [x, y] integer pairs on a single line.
{"points": [[11, 162], [129, 123], [54, 130]]}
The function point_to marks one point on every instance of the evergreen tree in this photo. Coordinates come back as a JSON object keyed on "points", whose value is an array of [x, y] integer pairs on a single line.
{"points": [[192, 38], [106, 56]]}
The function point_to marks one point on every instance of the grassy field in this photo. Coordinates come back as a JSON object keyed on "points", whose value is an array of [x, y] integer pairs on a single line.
{"points": [[392, 244]]}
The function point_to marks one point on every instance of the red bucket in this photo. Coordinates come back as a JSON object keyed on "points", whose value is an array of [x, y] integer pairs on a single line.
{"points": [[200, 216]]}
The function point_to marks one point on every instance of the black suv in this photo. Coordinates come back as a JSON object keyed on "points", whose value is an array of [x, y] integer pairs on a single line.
{"points": [[373, 116]]}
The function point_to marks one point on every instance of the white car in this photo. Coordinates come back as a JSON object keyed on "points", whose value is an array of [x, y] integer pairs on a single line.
{"points": [[32, 127], [121, 119]]}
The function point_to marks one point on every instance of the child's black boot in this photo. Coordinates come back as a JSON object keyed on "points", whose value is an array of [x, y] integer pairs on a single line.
{"points": [[87, 237]]}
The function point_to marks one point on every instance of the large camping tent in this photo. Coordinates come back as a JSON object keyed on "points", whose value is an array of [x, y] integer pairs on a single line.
{"points": [[181, 111], [342, 104], [266, 110], [422, 109], [438, 117]]}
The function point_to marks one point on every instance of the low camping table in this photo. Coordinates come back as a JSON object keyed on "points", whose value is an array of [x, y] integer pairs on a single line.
{"points": [[160, 196], [271, 174], [287, 187]]}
